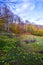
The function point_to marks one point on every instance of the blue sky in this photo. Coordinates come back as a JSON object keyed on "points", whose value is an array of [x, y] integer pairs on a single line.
{"points": [[31, 10]]}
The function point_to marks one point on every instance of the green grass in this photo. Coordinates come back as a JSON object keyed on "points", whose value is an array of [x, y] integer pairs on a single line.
{"points": [[19, 53], [36, 46]]}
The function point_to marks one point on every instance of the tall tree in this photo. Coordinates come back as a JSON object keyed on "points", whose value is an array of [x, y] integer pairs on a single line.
{"points": [[8, 16]]}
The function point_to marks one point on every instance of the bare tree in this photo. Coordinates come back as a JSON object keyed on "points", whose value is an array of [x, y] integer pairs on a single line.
{"points": [[8, 15]]}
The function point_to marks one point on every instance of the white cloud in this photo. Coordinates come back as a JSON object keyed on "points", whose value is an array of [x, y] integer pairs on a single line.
{"points": [[17, 10], [32, 7], [12, 0], [24, 7], [40, 22]]}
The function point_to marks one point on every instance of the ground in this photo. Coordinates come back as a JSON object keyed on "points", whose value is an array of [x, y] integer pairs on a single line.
{"points": [[16, 51]]}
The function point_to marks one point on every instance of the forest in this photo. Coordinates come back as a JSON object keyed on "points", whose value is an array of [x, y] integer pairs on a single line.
{"points": [[20, 43]]}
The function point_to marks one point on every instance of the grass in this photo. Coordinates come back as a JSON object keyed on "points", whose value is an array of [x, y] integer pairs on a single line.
{"points": [[20, 53], [34, 46]]}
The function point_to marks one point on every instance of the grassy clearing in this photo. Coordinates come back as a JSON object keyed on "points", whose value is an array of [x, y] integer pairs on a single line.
{"points": [[34, 46]]}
